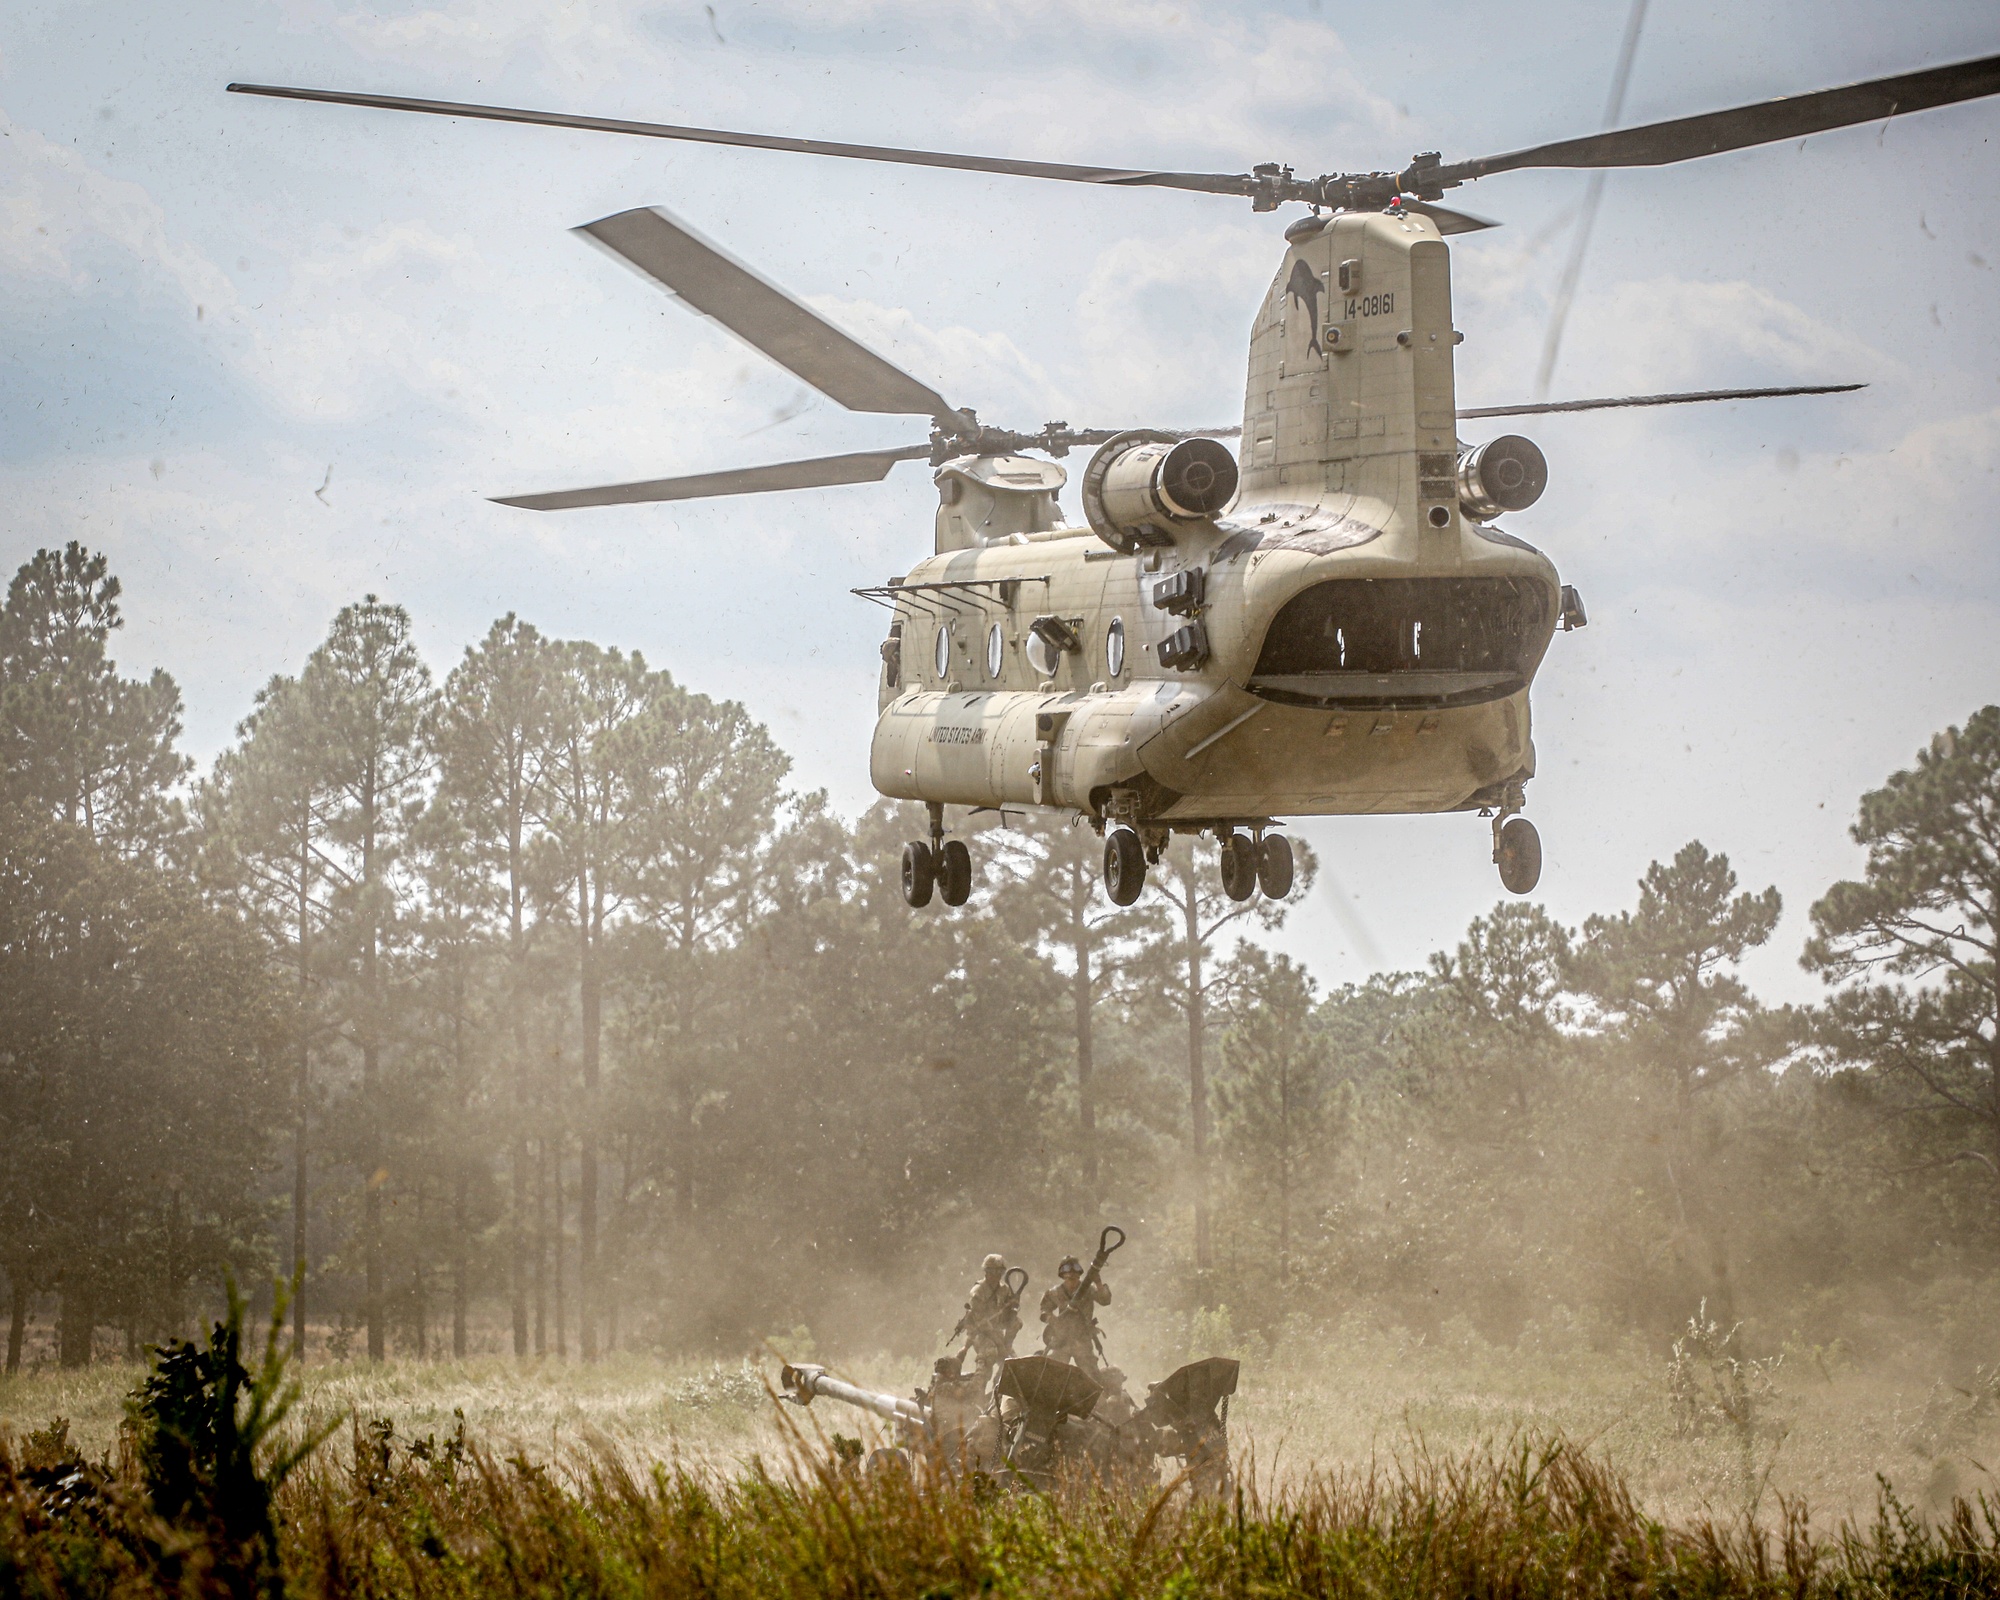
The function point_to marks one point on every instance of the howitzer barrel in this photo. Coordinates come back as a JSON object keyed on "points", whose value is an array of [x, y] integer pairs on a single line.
{"points": [[804, 1384]]}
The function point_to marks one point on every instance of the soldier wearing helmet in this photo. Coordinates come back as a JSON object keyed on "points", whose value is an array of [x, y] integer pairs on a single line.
{"points": [[1069, 1316], [992, 1316]]}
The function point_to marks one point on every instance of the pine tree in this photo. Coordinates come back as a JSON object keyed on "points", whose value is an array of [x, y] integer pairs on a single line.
{"points": [[1926, 911], [368, 692], [488, 735], [1179, 953], [589, 781], [267, 815]]}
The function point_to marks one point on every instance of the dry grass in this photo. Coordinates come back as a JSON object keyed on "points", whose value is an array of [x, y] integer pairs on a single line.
{"points": [[1535, 1519], [1345, 1401]]}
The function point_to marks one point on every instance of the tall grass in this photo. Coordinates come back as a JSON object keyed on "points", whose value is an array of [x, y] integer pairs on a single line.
{"points": [[442, 1517]]}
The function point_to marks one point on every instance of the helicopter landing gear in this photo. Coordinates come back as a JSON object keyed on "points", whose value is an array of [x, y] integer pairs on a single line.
{"points": [[942, 864], [1517, 849], [1252, 863], [919, 873], [1274, 866], [1239, 865], [1124, 866], [954, 873]]}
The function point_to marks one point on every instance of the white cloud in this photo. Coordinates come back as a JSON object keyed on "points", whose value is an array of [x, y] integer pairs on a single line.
{"points": [[582, 40], [1674, 333], [55, 205]]}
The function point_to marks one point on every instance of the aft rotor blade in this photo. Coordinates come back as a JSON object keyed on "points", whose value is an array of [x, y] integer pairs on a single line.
{"points": [[1542, 408], [1203, 182], [865, 466], [1712, 132], [761, 314]]}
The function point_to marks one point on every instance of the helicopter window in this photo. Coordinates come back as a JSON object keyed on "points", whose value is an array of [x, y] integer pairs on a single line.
{"points": [[1041, 656], [996, 650], [941, 656], [1378, 625], [1114, 647]]}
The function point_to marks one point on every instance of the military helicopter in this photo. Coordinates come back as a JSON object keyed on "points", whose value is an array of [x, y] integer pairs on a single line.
{"points": [[1330, 621]]}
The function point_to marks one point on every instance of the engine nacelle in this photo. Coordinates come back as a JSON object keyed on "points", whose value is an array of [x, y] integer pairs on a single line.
{"points": [[1504, 474], [1140, 484]]}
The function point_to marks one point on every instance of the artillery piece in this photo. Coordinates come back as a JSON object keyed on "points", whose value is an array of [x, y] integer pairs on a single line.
{"points": [[1043, 1418]]}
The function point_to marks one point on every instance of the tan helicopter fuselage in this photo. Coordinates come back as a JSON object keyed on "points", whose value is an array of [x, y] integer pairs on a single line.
{"points": [[1369, 645]]}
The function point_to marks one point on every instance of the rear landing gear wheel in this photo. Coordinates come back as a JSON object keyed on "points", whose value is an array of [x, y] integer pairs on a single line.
{"points": [[919, 872], [954, 873], [1518, 851], [1239, 866], [1274, 866], [1124, 866]]}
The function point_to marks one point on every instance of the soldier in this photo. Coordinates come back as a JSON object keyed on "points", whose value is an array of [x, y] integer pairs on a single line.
{"points": [[992, 1317], [1069, 1316]]}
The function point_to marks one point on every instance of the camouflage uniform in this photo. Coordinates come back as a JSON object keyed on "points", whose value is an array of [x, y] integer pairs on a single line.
{"points": [[992, 1318], [1069, 1329]]}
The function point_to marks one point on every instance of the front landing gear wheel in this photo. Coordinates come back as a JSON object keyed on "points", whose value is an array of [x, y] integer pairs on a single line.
{"points": [[919, 872], [1124, 866], [1519, 853], [1274, 866], [954, 873], [1239, 866]]}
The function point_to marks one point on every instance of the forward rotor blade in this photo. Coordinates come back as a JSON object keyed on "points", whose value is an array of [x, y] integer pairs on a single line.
{"points": [[866, 466], [1542, 408], [1203, 182], [762, 315], [1791, 117]]}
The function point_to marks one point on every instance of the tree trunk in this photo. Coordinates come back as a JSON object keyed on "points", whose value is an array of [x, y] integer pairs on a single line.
{"points": [[1197, 1083], [17, 1321], [175, 1314], [556, 1253], [301, 1096], [517, 1239], [541, 1247], [371, 1065], [1086, 1104], [461, 1266], [371, 1223], [592, 1000], [75, 1325], [1284, 1172], [517, 1230], [461, 1225], [299, 1199]]}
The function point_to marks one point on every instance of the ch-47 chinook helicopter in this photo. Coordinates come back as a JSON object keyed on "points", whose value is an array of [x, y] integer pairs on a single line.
{"points": [[1331, 621]]}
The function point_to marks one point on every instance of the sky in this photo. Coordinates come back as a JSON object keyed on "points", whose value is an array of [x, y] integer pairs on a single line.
{"points": [[273, 356]]}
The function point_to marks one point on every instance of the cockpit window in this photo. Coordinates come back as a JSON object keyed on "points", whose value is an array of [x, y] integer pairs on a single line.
{"points": [[1382, 625]]}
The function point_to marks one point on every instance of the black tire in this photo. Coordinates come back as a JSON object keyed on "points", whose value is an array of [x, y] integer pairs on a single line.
{"points": [[1239, 866], [919, 873], [1520, 856], [1274, 866], [1124, 866], [954, 873]]}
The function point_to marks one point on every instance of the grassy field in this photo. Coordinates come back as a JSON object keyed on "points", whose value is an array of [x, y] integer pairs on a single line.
{"points": [[1808, 1428], [1537, 1519], [1369, 1465]]}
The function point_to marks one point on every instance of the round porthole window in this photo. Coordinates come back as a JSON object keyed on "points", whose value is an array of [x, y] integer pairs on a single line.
{"points": [[996, 650], [941, 656], [1041, 657], [1114, 647]]}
